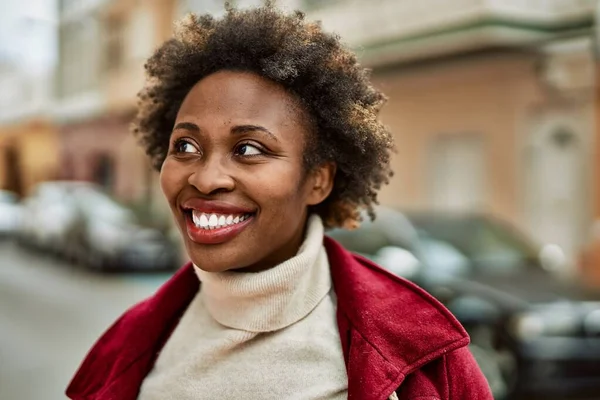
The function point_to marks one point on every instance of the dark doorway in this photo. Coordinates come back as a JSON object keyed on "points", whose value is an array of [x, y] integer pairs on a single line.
{"points": [[13, 170], [104, 172]]}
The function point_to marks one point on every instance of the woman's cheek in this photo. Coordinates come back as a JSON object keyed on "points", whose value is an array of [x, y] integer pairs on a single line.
{"points": [[280, 182], [171, 181]]}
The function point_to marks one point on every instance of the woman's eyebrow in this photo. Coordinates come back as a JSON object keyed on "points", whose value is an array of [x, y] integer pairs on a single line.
{"points": [[239, 129], [188, 126]]}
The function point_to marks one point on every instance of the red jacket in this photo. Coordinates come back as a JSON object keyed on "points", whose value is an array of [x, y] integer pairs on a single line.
{"points": [[394, 335]]}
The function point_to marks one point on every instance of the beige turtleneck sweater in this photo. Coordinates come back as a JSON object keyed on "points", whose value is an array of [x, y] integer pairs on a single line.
{"points": [[265, 335]]}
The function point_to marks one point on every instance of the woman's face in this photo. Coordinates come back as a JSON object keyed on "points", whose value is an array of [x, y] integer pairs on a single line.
{"points": [[234, 175]]}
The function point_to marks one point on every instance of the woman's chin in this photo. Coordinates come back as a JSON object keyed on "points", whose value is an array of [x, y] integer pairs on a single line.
{"points": [[205, 264], [211, 259], [208, 267]]}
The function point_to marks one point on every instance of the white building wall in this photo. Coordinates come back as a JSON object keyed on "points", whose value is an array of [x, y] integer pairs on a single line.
{"points": [[78, 76], [27, 58]]}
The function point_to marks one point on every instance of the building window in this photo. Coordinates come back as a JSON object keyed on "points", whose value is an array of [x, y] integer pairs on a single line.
{"points": [[556, 186], [215, 7], [65, 5], [70, 77], [563, 138], [78, 56], [114, 50], [140, 34], [248, 3], [313, 4], [457, 173]]}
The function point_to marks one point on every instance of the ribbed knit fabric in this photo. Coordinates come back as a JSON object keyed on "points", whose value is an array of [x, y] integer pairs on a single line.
{"points": [[265, 335]]}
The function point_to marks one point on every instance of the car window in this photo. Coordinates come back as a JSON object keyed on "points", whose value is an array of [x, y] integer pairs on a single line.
{"points": [[366, 240], [442, 257], [489, 245], [389, 229], [384, 243], [498, 247], [99, 205]]}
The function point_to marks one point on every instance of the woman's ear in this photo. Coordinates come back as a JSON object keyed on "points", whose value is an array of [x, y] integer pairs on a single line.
{"points": [[321, 183]]}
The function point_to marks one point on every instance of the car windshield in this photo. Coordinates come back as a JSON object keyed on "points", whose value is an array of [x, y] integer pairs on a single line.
{"points": [[389, 241], [366, 240], [100, 205], [389, 229], [487, 243], [442, 257]]}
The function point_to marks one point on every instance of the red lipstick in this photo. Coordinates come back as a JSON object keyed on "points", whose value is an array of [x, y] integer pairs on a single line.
{"points": [[204, 233]]}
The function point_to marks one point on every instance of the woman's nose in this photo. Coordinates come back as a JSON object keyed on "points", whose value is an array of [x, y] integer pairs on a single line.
{"points": [[212, 176]]}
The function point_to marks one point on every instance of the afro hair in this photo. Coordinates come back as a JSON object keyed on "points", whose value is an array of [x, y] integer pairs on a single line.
{"points": [[309, 63]]}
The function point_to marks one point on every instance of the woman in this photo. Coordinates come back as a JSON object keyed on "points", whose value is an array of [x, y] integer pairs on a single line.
{"points": [[265, 132]]}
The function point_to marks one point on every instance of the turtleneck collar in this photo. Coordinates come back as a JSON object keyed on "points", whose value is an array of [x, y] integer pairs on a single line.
{"points": [[270, 300]]}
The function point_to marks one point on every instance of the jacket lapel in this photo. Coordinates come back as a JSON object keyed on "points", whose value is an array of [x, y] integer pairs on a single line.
{"points": [[388, 326]]}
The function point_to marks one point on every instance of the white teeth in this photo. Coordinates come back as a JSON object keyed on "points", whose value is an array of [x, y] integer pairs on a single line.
{"points": [[203, 221], [214, 221]]}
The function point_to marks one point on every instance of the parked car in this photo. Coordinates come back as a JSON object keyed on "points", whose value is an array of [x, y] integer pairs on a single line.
{"points": [[533, 334], [10, 213], [107, 235], [79, 221], [50, 211]]}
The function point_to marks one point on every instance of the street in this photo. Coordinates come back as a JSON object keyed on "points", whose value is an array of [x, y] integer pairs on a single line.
{"points": [[50, 314]]}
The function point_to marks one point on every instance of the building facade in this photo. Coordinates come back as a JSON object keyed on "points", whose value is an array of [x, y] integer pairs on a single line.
{"points": [[491, 103], [103, 45], [28, 139]]}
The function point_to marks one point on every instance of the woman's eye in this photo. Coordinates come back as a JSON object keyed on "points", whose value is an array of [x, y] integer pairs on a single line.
{"points": [[247, 149], [183, 146]]}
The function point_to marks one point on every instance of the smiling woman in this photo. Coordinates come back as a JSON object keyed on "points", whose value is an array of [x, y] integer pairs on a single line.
{"points": [[265, 132], [237, 150]]}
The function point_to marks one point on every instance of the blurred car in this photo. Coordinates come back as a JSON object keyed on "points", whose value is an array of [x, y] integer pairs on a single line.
{"points": [[10, 213], [106, 235], [50, 211], [533, 335]]}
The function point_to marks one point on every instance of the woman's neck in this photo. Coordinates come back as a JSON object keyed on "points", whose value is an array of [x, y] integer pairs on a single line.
{"points": [[274, 298]]}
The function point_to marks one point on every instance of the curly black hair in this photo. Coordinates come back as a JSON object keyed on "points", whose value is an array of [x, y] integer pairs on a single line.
{"points": [[310, 64]]}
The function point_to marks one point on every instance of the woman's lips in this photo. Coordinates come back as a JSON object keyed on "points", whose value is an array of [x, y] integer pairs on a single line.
{"points": [[224, 230]]}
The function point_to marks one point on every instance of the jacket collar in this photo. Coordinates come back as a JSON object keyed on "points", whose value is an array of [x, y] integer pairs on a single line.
{"points": [[388, 328]]}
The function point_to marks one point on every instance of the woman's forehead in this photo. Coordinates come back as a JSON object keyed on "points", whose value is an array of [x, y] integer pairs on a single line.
{"points": [[241, 95]]}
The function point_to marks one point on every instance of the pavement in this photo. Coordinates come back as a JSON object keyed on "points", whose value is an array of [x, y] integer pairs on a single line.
{"points": [[51, 312]]}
